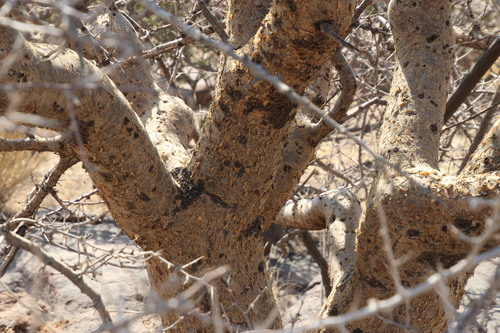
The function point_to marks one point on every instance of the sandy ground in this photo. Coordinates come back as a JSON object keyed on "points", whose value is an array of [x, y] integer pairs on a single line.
{"points": [[34, 297]]}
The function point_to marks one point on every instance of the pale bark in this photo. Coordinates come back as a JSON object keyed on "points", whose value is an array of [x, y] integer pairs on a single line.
{"points": [[215, 204], [420, 211], [337, 211]]}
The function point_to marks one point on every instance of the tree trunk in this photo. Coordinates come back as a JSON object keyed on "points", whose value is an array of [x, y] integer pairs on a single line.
{"points": [[418, 207], [212, 208], [209, 209]]}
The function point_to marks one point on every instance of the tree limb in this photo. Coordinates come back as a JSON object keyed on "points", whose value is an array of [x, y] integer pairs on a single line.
{"points": [[54, 144], [104, 119], [470, 80]]}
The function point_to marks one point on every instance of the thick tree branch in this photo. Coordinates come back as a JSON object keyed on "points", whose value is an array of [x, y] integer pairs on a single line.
{"points": [[250, 118], [470, 80], [413, 121], [128, 174], [429, 221]]}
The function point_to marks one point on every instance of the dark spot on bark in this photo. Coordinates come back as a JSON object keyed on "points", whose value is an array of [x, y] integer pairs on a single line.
{"points": [[467, 226], [279, 110], [253, 230], [318, 100], [487, 160], [278, 22], [435, 260], [241, 168], [252, 104], [189, 191], [84, 128], [226, 163], [433, 103], [406, 64], [129, 129], [334, 311], [144, 197], [447, 23], [414, 4], [234, 94], [130, 205], [261, 267], [153, 189], [107, 177], [304, 44], [57, 108], [421, 95], [242, 139], [292, 5], [376, 283], [136, 135], [432, 38], [413, 234], [417, 28], [224, 108], [396, 149], [126, 121], [151, 168], [287, 168], [433, 128], [222, 255], [444, 228], [358, 330], [218, 200], [21, 77]]}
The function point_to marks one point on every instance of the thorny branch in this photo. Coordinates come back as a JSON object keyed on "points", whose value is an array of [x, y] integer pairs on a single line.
{"points": [[76, 279], [375, 88]]}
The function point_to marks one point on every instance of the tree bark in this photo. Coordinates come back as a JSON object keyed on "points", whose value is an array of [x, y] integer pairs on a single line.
{"points": [[417, 209], [212, 208]]}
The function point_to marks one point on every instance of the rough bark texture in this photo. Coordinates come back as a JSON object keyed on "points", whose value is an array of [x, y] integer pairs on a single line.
{"points": [[214, 206], [419, 211], [240, 149]]}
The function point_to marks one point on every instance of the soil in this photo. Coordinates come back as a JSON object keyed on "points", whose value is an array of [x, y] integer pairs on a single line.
{"points": [[35, 298]]}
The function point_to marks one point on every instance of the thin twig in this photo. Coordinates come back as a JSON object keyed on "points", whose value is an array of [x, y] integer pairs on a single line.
{"points": [[318, 258], [75, 278], [37, 196], [55, 144], [481, 132], [213, 21]]}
